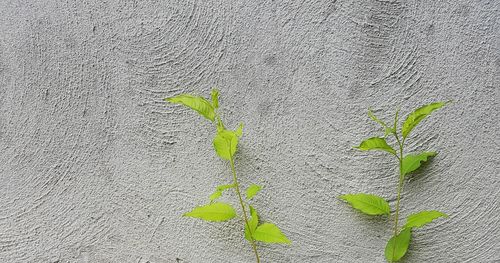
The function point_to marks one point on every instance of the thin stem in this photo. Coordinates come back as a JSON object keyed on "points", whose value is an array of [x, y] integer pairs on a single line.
{"points": [[219, 121], [400, 187], [237, 187]]}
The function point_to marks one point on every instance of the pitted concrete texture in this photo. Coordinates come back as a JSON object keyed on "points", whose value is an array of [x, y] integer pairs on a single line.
{"points": [[96, 167]]}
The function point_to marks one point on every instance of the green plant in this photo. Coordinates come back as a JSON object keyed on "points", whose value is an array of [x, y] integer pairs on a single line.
{"points": [[225, 144], [374, 205]]}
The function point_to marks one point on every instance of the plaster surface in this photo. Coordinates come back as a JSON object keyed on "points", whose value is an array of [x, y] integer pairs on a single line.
{"points": [[95, 167]]}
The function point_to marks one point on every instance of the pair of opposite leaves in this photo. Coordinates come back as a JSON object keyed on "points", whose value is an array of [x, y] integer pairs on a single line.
{"points": [[225, 144]]}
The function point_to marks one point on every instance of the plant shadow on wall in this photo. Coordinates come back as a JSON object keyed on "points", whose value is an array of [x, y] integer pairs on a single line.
{"points": [[225, 144], [374, 205]]}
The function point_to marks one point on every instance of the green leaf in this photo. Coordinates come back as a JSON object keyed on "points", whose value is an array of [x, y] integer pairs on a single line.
{"points": [[225, 144], [215, 195], [418, 115], [375, 143], [395, 124], [412, 162], [225, 187], [199, 104], [239, 131], [397, 246], [214, 212], [219, 190], [368, 203], [253, 222], [422, 218], [220, 126], [252, 191], [372, 116], [215, 98], [270, 233]]}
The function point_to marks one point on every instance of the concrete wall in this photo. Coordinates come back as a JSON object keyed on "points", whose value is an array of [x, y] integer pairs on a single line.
{"points": [[95, 167]]}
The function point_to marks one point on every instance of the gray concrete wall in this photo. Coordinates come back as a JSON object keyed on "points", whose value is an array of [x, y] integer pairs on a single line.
{"points": [[95, 167]]}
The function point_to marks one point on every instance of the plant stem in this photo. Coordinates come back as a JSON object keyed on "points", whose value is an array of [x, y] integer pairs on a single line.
{"points": [[237, 187], [400, 188]]}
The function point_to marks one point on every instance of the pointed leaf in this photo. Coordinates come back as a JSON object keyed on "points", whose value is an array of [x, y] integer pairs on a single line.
{"points": [[395, 124], [270, 233], [397, 246], [372, 116], [215, 195], [239, 131], [225, 144], [422, 218], [375, 143], [412, 162], [215, 212], [215, 98], [368, 203], [219, 190], [225, 187], [387, 131], [199, 104], [253, 222], [220, 126], [252, 191], [418, 115]]}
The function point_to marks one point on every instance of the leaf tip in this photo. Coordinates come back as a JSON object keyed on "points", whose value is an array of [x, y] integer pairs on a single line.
{"points": [[444, 215], [215, 98], [239, 130]]}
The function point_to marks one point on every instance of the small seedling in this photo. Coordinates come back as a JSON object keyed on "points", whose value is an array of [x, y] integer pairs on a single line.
{"points": [[225, 144], [374, 205]]}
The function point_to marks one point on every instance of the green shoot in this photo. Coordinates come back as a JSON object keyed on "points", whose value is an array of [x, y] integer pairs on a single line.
{"points": [[226, 145], [370, 204]]}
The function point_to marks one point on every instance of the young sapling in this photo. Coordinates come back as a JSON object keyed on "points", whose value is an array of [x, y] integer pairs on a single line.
{"points": [[374, 205], [225, 144]]}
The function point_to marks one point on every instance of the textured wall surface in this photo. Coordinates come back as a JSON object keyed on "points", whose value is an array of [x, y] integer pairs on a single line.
{"points": [[95, 167]]}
